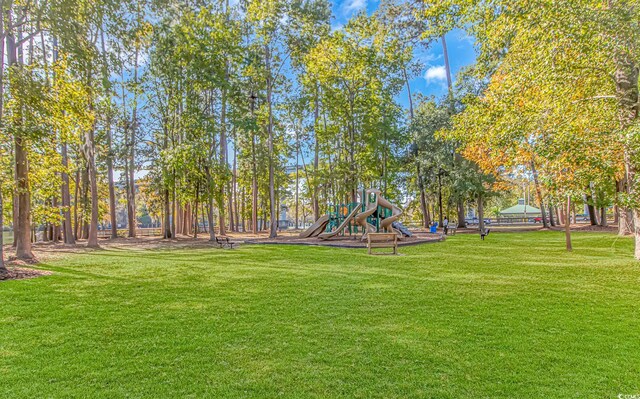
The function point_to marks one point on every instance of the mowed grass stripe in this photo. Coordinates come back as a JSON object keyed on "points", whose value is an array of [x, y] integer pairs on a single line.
{"points": [[513, 316]]}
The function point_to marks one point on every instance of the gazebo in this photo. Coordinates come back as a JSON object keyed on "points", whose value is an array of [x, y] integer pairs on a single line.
{"points": [[520, 211]]}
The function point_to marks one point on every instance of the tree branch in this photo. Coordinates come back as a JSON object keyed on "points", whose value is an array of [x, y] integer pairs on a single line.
{"points": [[27, 38]]}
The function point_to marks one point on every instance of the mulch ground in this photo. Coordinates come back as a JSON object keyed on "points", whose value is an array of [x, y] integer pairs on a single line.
{"points": [[21, 273], [51, 251], [599, 229], [345, 241]]}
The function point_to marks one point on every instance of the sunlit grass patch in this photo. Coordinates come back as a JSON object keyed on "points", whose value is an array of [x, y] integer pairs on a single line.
{"points": [[512, 316]]}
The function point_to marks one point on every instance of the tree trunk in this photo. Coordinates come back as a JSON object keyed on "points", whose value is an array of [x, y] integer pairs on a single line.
{"points": [[167, 231], [15, 212], [254, 188], [12, 61], [112, 190], [624, 215], [56, 226], [539, 194], [567, 225], [22, 229], [185, 220], [212, 233], [447, 68], [195, 217], [316, 161], [242, 211], [297, 193], [603, 217], [272, 189], [231, 196], [131, 200], [46, 232], [89, 148], [2, 72], [112, 193], [23, 243], [178, 217], [424, 207], [69, 237], [223, 159], [552, 221], [232, 225], [76, 203], [481, 214], [406, 82], [254, 174], [440, 216], [3, 269], [636, 222], [265, 219], [461, 212], [204, 221], [86, 182], [561, 215], [423, 198], [626, 222], [616, 207], [234, 181], [174, 209], [129, 175], [592, 212], [167, 216], [626, 78], [131, 206], [433, 211]]}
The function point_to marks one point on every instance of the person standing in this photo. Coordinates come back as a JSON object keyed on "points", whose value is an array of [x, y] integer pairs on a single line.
{"points": [[445, 225]]}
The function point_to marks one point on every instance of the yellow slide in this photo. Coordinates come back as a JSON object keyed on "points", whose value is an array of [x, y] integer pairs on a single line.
{"points": [[316, 228], [343, 225]]}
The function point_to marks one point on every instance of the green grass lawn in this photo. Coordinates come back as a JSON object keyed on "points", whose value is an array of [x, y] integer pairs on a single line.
{"points": [[514, 316]]}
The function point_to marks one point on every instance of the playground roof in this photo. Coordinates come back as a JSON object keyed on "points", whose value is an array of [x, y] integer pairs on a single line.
{"points": [[521, 209]]}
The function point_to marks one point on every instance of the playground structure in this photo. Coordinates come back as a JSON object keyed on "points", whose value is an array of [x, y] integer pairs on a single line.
{"points": [[372, 215]]}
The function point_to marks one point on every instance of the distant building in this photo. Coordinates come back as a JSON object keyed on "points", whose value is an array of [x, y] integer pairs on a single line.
{"points": [[283, 222], [521, 211]]}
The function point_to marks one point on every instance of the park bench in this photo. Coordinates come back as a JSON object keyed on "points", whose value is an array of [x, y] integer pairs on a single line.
{"points": [[224, 242], [452, 229], [483, 234], [382, 240]]}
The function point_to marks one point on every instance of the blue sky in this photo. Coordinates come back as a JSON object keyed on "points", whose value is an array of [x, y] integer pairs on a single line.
{"points": [[432, 79]]}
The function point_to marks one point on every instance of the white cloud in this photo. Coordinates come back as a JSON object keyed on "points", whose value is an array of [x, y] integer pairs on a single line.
{"points": [[435, 73], [430, 58], [349, 6]]}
